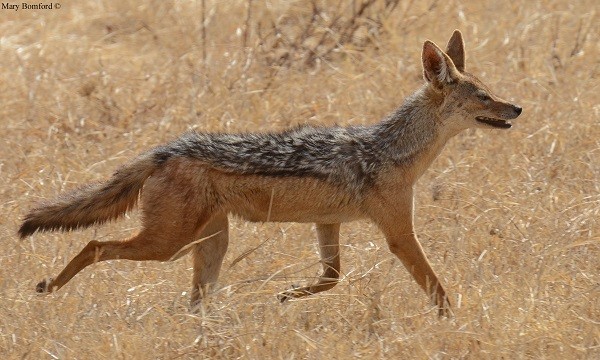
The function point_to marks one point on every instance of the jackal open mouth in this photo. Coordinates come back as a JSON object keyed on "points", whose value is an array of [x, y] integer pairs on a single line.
{"points": [[503, 124]]}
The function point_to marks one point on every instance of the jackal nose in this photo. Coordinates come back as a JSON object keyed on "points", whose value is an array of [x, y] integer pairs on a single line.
{"points": [[518, 109]]}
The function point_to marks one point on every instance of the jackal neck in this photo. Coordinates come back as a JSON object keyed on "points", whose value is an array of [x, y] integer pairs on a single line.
{"points": [[412, 129]]}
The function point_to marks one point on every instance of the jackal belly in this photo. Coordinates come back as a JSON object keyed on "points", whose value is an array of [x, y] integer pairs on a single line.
{"points": [[290, 199]]}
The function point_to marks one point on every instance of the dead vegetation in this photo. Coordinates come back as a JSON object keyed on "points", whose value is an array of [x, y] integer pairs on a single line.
{"points": [[507, 219], [305, 35]]}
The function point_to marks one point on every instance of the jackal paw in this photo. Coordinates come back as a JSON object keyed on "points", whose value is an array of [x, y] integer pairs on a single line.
{"points": [[42, 286], [445, 310], [289, 294]]}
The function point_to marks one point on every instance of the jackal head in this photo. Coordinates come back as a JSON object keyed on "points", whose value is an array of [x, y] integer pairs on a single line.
{"points": [[465, 102]]}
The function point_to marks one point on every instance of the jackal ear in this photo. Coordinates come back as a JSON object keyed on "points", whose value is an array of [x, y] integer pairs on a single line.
{"points": [[438, 68], [456, 50]]}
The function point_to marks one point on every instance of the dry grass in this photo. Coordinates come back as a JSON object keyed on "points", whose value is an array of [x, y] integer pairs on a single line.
{"points": [[509, 219]]}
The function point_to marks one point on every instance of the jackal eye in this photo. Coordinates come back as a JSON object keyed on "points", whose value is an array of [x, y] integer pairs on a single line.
{"points": [[483, 96]]}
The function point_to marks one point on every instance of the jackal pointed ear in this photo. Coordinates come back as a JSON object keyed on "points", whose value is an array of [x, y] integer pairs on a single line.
{"points": [[456, 50], [438, 68]]}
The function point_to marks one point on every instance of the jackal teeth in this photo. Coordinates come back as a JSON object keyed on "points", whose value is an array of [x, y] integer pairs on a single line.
{"points": [[498, 123]]}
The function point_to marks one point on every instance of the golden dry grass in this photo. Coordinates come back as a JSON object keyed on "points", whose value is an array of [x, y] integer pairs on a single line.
{"points": [[508, 219]]}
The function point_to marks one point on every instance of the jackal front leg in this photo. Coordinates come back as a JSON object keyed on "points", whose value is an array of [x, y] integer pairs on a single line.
{"points": [[397, 225], [329, 249], [208, 256]]}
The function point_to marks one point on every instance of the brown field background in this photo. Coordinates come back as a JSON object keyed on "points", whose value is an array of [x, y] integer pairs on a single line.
{"points": [[507, 218]]}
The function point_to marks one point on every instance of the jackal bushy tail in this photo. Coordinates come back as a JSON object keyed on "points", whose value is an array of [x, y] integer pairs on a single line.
{"points": [[94, 203]]}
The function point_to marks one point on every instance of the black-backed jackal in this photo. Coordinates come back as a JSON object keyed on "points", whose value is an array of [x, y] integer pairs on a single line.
{"points": [[325, 175]]}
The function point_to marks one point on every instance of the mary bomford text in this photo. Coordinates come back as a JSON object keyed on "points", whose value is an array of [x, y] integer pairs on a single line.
{"points": [[29, 6]]}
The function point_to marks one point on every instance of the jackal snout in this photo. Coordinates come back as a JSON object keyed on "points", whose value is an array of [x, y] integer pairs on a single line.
{"points": [[512, 111], [516, 111], [497, 114]]}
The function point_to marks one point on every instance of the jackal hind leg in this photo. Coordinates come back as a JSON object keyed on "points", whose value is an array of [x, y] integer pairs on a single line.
{"points": [[208, 257], [329, 249], [144, 246], [170, 222]]}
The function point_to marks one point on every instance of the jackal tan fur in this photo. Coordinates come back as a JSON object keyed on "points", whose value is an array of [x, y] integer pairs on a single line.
{"points": [[324, 175]]}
